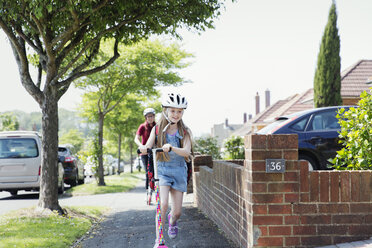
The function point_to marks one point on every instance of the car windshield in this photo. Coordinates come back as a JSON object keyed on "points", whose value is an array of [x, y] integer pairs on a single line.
{"points": [[18, 148]]}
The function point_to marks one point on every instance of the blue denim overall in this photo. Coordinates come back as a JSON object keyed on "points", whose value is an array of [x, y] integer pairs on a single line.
{"points": [[173, 173]]}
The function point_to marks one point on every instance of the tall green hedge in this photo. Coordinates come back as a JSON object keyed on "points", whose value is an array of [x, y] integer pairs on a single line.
{"points": [[327, 79]]}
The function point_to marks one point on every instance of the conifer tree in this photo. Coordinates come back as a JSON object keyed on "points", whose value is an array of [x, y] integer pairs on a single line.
{"points": [[327, 80]]}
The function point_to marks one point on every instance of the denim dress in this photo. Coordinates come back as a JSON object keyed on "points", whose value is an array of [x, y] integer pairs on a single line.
{"points": [[173, 173]]}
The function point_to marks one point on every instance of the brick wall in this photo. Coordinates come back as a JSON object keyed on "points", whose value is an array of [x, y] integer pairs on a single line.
{"points": [[297, 208]]}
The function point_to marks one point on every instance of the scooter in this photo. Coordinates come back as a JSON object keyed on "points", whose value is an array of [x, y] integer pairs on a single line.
{"points": [[158, 220]]}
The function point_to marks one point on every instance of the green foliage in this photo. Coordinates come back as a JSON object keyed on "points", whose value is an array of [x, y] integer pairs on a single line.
{"points": [[356, 136], [208, 146], [8, 122], [74, 138], [234, 147], [327, 79]]}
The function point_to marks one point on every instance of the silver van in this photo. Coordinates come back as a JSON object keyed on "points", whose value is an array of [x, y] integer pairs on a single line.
{"points": [[20, 162]]}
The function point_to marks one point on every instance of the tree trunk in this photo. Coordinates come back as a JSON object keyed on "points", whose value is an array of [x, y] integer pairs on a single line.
{"points": [[131, 157], [101, 180], [119, 153], [48, 197]]}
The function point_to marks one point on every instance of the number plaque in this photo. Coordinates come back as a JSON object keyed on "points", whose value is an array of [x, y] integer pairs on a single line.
{"points": [[275, 165]]}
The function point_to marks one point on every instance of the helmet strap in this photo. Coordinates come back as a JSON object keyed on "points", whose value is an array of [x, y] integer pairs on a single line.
{"points": [[169, 121]]}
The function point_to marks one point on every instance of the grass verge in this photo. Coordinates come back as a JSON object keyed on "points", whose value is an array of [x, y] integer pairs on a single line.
{"points": [[31, 228], [114, 184]]}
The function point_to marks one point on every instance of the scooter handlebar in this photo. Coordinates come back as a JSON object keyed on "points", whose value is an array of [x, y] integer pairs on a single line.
{"points": [[150, 150]]}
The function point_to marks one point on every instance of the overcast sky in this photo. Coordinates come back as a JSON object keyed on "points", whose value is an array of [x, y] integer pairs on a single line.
{"points": [[256, 45]]}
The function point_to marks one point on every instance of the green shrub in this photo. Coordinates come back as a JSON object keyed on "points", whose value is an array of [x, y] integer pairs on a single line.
{"points": [[234, 148], [207, 146], [356, 136]]}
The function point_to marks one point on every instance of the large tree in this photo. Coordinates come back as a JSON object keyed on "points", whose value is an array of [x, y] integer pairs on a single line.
{"points": [[327, 80], [144, 66], [63, 37]]}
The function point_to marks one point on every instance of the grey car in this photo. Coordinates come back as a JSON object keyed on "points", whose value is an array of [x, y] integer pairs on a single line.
{"points": [[20, 162]]}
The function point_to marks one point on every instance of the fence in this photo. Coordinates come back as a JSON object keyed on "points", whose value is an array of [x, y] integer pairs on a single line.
{"points": [[295, 208]]}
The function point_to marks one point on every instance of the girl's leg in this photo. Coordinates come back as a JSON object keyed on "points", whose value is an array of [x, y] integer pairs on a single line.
{"points": [[177, 198], [164, 197]]}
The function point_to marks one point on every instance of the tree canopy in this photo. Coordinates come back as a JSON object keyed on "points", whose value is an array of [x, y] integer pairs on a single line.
{"points": [[234, 146], [208, 145], [8, 122]]}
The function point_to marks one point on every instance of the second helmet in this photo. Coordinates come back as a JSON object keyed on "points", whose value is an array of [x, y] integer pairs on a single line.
{"points": [[148, 111]]}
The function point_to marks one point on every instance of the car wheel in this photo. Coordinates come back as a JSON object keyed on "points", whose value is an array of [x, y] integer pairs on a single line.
{"points": [[311, 162], [14, 192], [74, 181]]}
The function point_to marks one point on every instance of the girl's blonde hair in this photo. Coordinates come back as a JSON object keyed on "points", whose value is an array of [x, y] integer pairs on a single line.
{"points": [[161, 136]]}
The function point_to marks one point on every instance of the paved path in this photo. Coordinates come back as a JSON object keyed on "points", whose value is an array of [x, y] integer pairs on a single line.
{"points": [[132, 224]]}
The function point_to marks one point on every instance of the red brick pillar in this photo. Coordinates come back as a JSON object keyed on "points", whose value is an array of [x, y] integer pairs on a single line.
{"points": [[270, 196]]}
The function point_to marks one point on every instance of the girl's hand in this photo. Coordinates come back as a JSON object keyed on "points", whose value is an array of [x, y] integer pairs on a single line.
{"points": [[167, 147], [143, 149]]}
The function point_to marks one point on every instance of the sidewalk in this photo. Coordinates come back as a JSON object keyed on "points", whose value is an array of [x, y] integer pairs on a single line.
{"points": [[363, 243], [131, 224]]}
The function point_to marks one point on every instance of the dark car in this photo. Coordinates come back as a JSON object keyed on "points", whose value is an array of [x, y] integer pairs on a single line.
{"points": [[74, 169], [317, 131]]}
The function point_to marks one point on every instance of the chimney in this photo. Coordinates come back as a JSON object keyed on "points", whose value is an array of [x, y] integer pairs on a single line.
{"points": [[226, 122], [267, 98], [245, 118], [249, 116], [257, 103]]}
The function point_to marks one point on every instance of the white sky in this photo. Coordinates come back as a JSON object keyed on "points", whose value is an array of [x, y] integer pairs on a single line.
{"points": [[256, 45]]}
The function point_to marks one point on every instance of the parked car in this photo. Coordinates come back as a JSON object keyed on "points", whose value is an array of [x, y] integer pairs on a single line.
{"points": [[74, 168], [317, 131], [20, 162]]}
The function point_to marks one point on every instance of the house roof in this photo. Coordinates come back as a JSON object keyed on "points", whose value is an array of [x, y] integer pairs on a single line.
{"points": [[355, 79], [292, 104]]}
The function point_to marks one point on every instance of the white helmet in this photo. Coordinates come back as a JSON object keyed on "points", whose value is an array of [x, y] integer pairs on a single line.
{"points": [[174, 101], [148, 111]]}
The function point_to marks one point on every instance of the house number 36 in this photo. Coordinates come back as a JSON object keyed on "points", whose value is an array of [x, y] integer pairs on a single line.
{"points": [[275, 165]]}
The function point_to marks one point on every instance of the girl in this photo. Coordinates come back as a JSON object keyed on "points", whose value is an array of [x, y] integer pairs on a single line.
{"points": [[175, 138]]}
